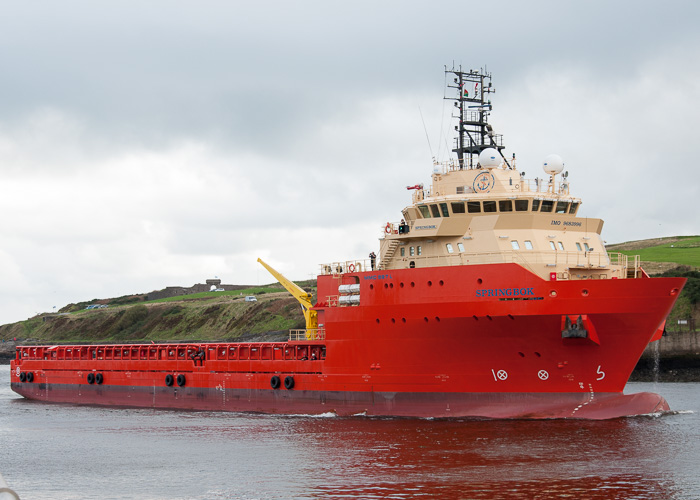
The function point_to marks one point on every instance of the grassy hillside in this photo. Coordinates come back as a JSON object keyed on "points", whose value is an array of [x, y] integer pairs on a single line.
{"points": [[675, 256], [680, 250], [205, 316]]}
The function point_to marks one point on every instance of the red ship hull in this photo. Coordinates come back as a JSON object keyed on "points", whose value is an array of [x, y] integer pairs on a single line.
{"points": [[462, 341]]}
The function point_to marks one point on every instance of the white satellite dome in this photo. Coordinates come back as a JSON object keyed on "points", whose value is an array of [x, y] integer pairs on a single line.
{"points": [[553, 164], [489, 158]]}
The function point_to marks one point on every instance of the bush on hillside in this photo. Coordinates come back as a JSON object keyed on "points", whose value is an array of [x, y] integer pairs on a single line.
{"points": [[692, 287]]}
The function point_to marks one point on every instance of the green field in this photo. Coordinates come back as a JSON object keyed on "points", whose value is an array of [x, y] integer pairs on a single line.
{"points": [[204, 295], [685, 251]]}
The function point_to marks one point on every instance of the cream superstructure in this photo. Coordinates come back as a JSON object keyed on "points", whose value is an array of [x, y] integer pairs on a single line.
{"points": [[495, 215]]}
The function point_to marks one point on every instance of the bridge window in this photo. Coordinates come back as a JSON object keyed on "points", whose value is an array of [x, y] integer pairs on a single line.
{"points": [[578, 246], [473, 207], [535, 205], [573, 208], [528, 244], [489, 206], [424, 211], [547, 206], [551, 244], [560, 245], [434, 210], [515, 245], [561, 207], [521, 205], [449, 248], [460, 246], [505, 206], [458, 207], [585, 245], [443, 208]]}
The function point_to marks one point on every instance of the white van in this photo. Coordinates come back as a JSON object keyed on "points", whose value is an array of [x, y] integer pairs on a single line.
{"points": [[250, 298]]}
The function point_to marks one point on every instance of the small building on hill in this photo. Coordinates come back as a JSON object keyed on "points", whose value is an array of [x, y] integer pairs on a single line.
{"points": [[174, 291]]}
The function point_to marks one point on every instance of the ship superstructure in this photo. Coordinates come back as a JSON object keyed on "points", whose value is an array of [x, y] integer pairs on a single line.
{"points": [[481, 210], [490, 298]]}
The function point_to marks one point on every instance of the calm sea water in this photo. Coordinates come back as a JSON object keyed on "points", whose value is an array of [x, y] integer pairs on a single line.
{"points": [[50, 451]]}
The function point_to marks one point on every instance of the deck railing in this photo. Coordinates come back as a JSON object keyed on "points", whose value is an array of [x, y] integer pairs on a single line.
{"points": [[526, 258], [307, 334]]}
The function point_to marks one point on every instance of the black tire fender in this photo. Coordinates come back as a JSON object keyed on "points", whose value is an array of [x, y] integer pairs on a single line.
{"points": [[169, 379], [90, 378], [99, 379], [181, 380], [289, 382], [275, 382]]}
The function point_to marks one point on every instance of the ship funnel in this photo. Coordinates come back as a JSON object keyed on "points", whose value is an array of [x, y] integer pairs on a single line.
{"points": [[489, 158], [553, 164]]}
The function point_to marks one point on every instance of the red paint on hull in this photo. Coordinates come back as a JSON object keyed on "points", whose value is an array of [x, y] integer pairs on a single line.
{"points": [[434, 342], [407, 404]]}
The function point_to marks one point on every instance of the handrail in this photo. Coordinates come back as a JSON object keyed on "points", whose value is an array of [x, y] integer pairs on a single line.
{"points": [[526, 258], [307, 334]]}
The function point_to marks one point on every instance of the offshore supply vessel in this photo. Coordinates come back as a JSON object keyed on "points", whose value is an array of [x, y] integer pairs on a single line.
{"points": [[490, 298]]}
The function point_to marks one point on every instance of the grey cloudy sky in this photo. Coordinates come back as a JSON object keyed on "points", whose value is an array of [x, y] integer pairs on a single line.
{"points": [[145, 144]]}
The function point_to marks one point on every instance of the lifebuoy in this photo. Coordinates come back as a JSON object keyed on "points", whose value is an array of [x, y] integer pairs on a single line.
{"points": [[91, 378], [351, 268], [275, 382], [22, 377], [99, 379], [181, 380], [289, 382], [169, 379], [387, 229]]}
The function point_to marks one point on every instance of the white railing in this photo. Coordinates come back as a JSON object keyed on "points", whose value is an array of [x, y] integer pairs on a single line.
{"points": [[307, 334], [349, 266], [526, 258]]}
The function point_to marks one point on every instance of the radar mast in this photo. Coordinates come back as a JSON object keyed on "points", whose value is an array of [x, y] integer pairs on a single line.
{"points": [[472, 108]]}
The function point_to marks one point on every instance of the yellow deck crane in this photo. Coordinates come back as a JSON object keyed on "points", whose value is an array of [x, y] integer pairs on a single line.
{"points": [[304, 298]]}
